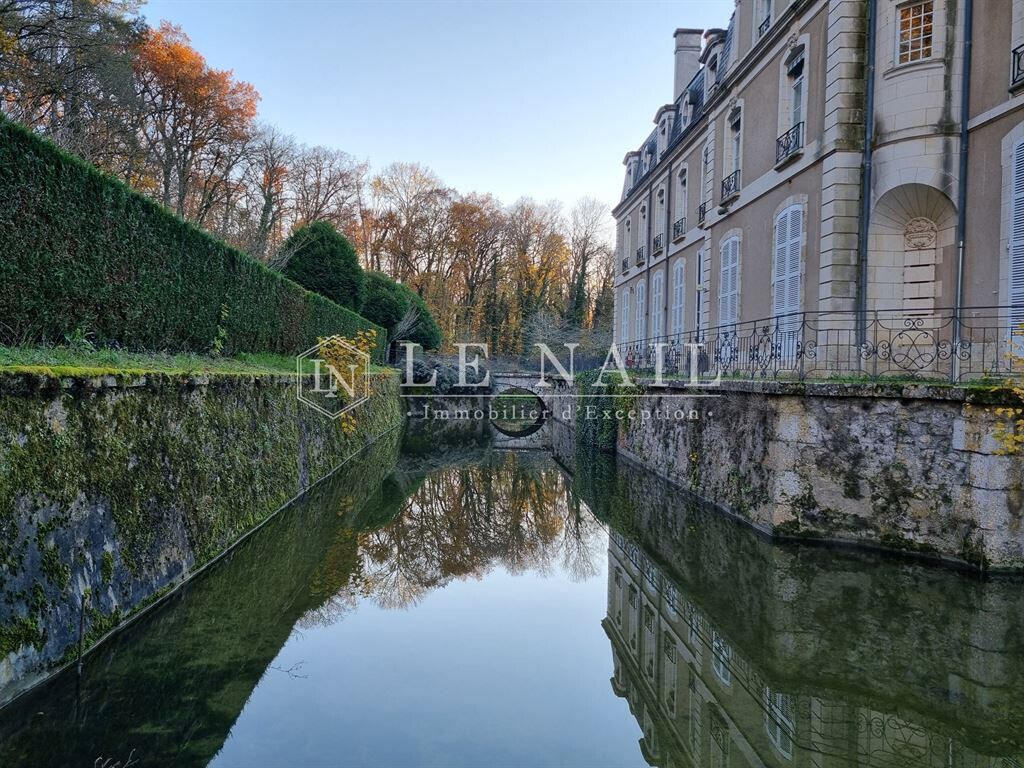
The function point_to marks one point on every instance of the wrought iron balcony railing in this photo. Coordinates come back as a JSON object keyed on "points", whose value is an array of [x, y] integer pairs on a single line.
{"points": [[625, 265], [789, 144], [730, 186], [640, 255], [679, 228], [939, 345], [1017, 66], [702, 214], [659, 243], [763, 28]]}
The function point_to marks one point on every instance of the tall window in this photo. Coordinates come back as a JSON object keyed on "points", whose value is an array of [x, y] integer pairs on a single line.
{"points": [[658, 304], [735, 126], [778, 721], [641, 299], [699, 288], [678, 296], [659, 214], [680, 197], [643, 233], [796, 90], [721, 657], [696, 721], [624, 330], [1016, 288], [629, 240], [706, 174], [915, 31], [786, 268], [668, 671], [729, 284]]}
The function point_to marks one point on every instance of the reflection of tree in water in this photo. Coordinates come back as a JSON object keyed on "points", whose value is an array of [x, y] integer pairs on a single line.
{"points": [[459, 523]]}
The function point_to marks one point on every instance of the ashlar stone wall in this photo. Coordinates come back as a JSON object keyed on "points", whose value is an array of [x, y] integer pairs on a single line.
{"points": [[906, 467]]}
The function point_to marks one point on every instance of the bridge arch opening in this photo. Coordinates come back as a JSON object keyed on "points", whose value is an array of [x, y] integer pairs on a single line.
{"points": [[517, 412]]}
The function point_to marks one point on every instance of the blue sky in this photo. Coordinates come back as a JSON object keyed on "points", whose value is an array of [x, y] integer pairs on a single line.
{"points": [[537, 99]]}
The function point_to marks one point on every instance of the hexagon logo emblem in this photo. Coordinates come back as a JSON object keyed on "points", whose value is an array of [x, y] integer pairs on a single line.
{"points": [[333, 377]]}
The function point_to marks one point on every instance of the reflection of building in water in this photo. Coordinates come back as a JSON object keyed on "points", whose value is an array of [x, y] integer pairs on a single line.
{"points": [[700, 702]]}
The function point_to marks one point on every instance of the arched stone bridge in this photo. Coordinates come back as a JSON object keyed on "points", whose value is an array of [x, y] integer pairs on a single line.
{"points": [[549, 396]]}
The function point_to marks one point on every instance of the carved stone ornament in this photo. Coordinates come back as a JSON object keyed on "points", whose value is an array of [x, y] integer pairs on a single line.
{"points": [[920, 233]]}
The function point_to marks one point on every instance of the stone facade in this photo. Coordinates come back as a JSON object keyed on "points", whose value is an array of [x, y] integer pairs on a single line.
{"points": [[718, 166]]}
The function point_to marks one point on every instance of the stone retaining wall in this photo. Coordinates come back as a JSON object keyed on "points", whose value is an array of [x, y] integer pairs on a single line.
{"points": [[114, 489], [907, 467]]}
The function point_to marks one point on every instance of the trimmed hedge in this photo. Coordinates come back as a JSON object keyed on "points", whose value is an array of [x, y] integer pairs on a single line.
{"points": [[386, 302], [82, 253], [324, 261]]}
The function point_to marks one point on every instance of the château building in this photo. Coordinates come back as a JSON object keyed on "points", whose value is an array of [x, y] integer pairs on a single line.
{"points": [[763, 192]]}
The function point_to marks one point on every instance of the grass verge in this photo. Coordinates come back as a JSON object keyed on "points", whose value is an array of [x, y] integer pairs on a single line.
{"points": [[86, 360]]}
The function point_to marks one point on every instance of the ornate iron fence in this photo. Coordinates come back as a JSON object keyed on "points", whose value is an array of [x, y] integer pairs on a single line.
{"points": [[730, 186], [1017, 65], [679, 228], [640, 255], [789, 143], [763, 27], [702, 213], [625, 265], [659, 242], [983, 343]]}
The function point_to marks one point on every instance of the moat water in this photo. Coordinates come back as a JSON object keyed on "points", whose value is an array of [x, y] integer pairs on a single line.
{"points": [[480, 607]]}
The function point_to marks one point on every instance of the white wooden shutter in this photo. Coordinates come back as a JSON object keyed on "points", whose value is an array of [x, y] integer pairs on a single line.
{"points": [[624, 330], [658, 304], [1016, 288], [786, 269], [641, 326], [678, 297], [728, 289]]}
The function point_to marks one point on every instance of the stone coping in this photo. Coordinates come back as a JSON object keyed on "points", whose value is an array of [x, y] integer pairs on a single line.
{"points": [[872, 389], [30, 383]]}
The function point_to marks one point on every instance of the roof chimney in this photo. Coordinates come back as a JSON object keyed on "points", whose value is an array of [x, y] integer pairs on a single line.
{"points": [[687, 58]]}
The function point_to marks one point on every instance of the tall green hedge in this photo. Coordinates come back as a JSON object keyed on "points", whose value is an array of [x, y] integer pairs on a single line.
{"points": [[81, 253]]}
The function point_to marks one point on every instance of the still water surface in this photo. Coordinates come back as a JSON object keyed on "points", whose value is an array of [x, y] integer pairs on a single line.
{"points": [[504, 609]]}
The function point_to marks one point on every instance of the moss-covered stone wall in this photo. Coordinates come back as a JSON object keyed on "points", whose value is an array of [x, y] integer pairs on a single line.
{"points": [[903, 467], [114, 489]]}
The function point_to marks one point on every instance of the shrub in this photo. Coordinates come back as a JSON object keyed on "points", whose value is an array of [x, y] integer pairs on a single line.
{"points": [[383, 302], [325, 262], [386, 303], [426, 333], [81, 254]]}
